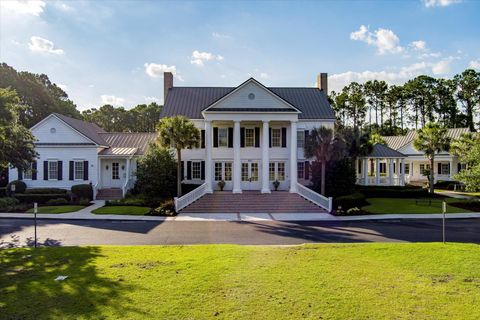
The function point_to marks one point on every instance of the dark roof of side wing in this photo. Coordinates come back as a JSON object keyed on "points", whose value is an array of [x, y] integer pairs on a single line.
{"points": [[90, 130], [190, 101], [382, 151]]}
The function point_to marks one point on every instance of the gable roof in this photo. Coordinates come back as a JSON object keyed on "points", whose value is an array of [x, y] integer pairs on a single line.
{"points": [[191, 101], [122, 143], [89, 130], [397, 142], [382, 151]]}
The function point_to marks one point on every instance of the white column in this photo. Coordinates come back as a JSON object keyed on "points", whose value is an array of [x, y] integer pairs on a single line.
{"points": [[237, 166], [451, 168], [410, 169], [208, 159], [293, 156], [377, 171], [265, 158], [390, 171], [365, 171], [402, 175]]}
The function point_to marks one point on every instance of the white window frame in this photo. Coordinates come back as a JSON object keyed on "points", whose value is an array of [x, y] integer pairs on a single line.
{"points": [[116, 177], [28, 174], [300, 170], [442, 167], [222, 143], [218, 171], [50, 170], [275, 143], [250, 143], [245, 171], [75, 177], [271, 171], [196, 170], [407, 168], [424, 167], [230, 171], [275, 165], [300, 139]]}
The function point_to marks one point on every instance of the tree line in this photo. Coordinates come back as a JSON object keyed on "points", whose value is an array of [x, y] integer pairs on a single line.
{"points": [[386, 109]]}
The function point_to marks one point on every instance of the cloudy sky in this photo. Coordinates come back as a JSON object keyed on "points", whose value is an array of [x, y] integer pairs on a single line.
{"points": [[116, 51]]}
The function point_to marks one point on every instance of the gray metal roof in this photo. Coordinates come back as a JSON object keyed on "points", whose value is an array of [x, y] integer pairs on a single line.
{"points": [[382, 151], [90, 130], [397, 142], [126, 140], [190, 101]]}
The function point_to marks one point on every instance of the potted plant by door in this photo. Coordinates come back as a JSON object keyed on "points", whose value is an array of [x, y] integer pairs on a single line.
{"points": [[276, 184], [221, 184]]}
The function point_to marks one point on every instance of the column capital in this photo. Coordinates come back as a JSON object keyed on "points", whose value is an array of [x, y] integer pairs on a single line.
{"points": [[293, 121], [266, 121]]}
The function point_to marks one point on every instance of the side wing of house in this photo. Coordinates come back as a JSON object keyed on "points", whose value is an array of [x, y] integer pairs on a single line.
{"points": [[65, 157]]}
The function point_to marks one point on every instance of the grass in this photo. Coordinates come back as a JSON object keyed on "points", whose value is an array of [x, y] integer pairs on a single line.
{"points": [[341, 281], [57, 209], [405, 206], [123, 210]]}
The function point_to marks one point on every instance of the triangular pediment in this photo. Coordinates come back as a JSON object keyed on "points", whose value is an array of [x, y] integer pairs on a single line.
{"points": [[52, 130], [251, 96]]}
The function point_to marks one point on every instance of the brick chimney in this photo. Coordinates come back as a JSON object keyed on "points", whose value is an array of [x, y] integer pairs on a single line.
{"points": [[167, 84], [322, 82]]}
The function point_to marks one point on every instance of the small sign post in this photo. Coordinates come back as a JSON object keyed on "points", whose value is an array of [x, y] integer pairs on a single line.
{"points": [[35, 208], [444, 210]]}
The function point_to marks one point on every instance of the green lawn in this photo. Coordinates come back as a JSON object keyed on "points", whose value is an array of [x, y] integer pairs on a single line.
{"points": [[124, 210], [472, 194], [331, 281], [57, 209], [400, 206]]}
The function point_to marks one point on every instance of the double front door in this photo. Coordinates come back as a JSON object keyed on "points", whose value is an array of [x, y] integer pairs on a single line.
{"points": [[251, 175], [113, 173]]}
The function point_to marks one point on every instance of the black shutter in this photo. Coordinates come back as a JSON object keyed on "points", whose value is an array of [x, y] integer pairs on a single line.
{"points": [[242, 137], [230, 137], [85, 170], [20, 174], [45, 170], [34, 170], [269, 137], [257, 137], [70, 170], [459, 167], [284, 137], [202, 139], [306, 135], [439, 168], [182, 169], [215, 137], [59, 170], [307, 170], [202, 170], [189, 170]]}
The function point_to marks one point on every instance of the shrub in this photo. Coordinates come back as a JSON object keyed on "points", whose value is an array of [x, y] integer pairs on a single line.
{"points": [[45, 191], [356, 199], [84, 202], [3, 191], [57, 202], [8, 203], [393, 192], [339, 178], [166, 208], [20, 186], [129, 201], [39, 198], [83, 191]]}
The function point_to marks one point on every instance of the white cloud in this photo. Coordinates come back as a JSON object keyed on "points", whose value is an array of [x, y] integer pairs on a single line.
{"points": [[63, 6], [112, 100], [152, 99], [441, 67], [264, 75], [474, 64], [419, 45], [198, 58], [430, 55], [155, 70], [385, 40], [32, 7], [218, 35], [439, 3], [39, 44]]}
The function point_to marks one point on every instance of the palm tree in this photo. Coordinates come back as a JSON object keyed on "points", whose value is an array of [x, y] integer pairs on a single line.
{"points": [[322, 144], [431, 139], [178, 133]]}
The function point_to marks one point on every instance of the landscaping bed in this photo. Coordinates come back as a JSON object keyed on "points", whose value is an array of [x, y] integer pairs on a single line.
{"points": [[330, 281]]}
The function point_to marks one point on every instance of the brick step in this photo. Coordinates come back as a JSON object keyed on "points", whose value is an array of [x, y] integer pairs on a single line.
{"points": [[109, 194]]}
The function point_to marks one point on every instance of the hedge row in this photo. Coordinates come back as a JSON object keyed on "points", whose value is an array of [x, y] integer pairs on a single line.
{"points": [[45, 191], [353, 200], [393, 192], [40, 198]]}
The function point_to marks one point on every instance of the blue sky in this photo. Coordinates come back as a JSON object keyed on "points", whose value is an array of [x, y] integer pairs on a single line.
{"points": [[115, 51]]}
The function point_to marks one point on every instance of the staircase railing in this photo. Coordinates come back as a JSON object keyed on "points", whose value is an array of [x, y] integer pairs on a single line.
{"points": [[318, 199], [190, 197]]}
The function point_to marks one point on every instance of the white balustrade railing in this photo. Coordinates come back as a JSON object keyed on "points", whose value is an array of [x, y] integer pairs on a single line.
{"points": [[318, 199], [190, 197]]}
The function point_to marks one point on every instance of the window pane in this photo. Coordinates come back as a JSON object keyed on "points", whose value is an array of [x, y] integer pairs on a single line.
{"points": [[407, 168], [271, 170], [249, 137], [53, 170], [78, 169], [281, 171], [115, 171], [276, 137], [300, 139], [445, 168], [218, 171], [196, 170], [300, 170], [254, 171], [223, 137], [244, 171], [228, 171], [28, 173]]}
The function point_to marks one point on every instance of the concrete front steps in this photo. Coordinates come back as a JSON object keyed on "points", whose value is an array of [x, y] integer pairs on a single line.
{"points": [[109, 194], [252, 202]]}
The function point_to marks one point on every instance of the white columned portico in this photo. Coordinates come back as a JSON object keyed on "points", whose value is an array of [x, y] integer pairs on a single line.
{"points": [[208, 162], [377, 171], [293, 156], [237, 167], [390, 171], [265, 158]]}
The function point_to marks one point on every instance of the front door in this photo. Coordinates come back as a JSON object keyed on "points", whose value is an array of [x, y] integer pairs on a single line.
{"points": [[250, 176], [113, 173]]}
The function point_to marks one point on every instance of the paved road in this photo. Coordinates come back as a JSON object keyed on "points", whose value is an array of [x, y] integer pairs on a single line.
{"points": [[19, 232]]}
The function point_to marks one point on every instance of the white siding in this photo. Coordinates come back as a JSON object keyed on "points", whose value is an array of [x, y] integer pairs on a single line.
{"points": [[63, 133]]}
